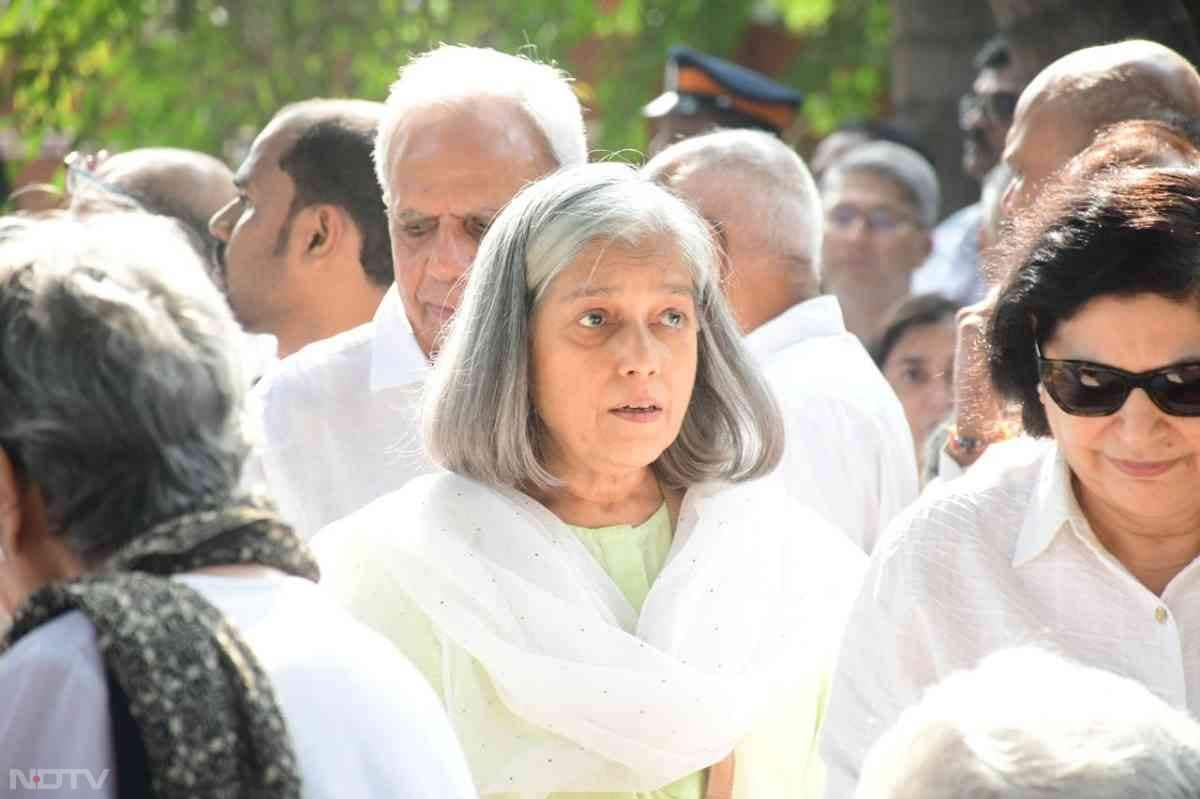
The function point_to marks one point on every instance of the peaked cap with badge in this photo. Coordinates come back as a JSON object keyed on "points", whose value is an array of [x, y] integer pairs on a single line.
{"points": [[698, 83]]}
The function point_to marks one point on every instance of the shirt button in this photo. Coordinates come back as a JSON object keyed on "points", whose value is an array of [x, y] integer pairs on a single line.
{"points": [[1160, 615]]}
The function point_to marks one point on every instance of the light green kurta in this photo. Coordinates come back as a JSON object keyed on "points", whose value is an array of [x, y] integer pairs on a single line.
{"points": [[782, 750], [633, 556]]}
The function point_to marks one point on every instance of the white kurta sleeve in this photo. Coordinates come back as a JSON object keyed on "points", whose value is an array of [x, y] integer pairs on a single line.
{"points": [[54, 713]]}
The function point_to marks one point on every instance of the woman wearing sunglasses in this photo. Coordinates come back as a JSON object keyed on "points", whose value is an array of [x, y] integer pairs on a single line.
{"points": [[1087, 546]]}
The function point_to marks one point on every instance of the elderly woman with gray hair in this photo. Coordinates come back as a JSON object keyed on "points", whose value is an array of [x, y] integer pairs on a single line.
{"points": [[609, 588], [167, 637]]}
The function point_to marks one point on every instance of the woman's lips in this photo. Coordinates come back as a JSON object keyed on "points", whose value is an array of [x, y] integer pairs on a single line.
{"points": [[1143, 468], [641, 415]]}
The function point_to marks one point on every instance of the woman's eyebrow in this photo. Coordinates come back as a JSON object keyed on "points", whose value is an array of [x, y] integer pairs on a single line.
{"points": [[686, 290]]}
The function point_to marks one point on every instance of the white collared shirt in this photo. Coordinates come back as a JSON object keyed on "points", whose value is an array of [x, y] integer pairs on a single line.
{"points": [[1001, 557], [952, 270], [340, 420], [849, 454]]}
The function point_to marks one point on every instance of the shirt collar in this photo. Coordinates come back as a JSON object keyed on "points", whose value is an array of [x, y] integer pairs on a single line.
{"points": [[820, 316], [396, 357], [1051, 508]]}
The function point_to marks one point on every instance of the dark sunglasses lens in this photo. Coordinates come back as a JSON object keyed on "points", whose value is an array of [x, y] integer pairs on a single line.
{"points": [[1178, 390], [1084, 391], [1002, 106]]}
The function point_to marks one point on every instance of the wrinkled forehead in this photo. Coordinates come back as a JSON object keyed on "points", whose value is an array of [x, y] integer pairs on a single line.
{"points": [[603, 263], [469, 129]]}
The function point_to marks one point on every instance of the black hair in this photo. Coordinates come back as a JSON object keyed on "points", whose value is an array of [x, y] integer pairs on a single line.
{"points": [[1132, 231], [916, 311], [996, 53], [331, 163]]}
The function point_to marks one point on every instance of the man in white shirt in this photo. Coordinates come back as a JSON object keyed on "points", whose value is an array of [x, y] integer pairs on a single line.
{"points": [[463, 130], [984, 115], [849, 453]]}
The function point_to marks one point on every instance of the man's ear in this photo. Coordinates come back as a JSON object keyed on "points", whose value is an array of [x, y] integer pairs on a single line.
{"points": [[323, 227]]}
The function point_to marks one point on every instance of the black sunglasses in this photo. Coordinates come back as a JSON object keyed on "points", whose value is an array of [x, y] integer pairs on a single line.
{"points": [[1083, 388]]}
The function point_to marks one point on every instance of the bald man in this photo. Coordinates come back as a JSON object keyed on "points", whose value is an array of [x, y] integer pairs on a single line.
{"points": [[1062, 109], [307, 252], [185, 185], [849, 452], [1057, 117]]}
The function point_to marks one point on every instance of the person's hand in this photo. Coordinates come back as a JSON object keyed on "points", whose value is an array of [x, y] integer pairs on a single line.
{"points": [[977, 413]]}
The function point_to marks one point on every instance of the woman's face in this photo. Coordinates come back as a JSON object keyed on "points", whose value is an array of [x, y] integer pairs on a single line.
{"points": [[1140, 462], [614, 356], [920, 368]]}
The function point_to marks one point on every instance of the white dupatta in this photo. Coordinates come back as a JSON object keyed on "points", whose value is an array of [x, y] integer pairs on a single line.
{"points": [[620, 702]]}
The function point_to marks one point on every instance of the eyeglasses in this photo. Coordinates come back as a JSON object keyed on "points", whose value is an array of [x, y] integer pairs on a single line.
{"points": [[997, 107], [879, 219], [99, 194], [81, 180], [1082, 388]]}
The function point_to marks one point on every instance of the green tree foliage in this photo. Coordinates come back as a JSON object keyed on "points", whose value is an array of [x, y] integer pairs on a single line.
{"points": [[207, 74]]}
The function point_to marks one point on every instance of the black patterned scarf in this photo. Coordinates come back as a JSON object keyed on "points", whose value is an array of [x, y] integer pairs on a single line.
{"points": [[209, 724]]}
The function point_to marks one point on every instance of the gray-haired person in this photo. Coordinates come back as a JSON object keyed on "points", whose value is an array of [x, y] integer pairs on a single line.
{"points": [[1027, 723], [463, 129], [881, 203], [849, 453], [610, 550], [167, 637]]}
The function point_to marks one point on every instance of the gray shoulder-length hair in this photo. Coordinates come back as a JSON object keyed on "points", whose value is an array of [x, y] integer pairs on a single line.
{"points": [[120, 388], [479, 417]]}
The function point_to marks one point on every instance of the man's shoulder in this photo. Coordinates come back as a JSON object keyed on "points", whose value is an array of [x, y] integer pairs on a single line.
{"points": [[320, 371], [835, 367]]}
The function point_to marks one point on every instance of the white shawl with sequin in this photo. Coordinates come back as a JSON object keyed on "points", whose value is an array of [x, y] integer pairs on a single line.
{"points": [[753, 586]]}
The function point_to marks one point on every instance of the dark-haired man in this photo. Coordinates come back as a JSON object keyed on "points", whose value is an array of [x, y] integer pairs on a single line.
{"points": [[985, 114], [308, 254]]}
